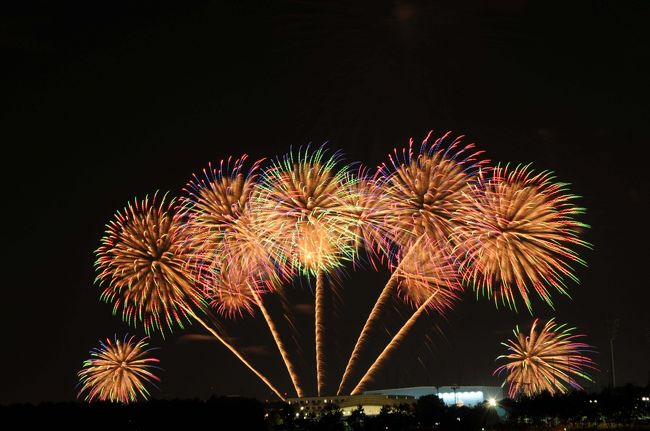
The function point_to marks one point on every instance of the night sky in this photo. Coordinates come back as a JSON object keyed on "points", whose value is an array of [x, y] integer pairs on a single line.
{"points": [[105, 103]]}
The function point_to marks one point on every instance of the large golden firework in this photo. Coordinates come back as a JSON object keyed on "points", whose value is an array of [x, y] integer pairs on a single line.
{"points": [[303, 212], [426, 188], [143, 264], [118, 371], [517, 232], [548, 359]]}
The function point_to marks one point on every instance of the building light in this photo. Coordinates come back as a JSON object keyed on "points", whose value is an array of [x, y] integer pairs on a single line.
{"points": [[492, 402]]}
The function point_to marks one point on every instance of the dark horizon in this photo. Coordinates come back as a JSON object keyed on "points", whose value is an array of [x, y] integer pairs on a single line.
{"points": [[106, 103]]}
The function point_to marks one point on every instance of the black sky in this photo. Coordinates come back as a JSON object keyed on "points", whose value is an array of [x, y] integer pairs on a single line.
{"points": [[102, 103]]}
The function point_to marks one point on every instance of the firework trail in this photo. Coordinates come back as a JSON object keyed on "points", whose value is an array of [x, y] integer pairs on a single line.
{"points": [[303, 209], [229, 260], [546, 360], [143, 261], [319, 333], [118, 371], [375, 313], [517, 231], [423, 190], [239, 356], [394, 343], [278, 341]]}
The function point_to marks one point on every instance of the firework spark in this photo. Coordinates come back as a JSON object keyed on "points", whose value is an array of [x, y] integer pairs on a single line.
{"points": [[548, 359], [142, 262], [517, 232], [118, 371], [422, 191]]}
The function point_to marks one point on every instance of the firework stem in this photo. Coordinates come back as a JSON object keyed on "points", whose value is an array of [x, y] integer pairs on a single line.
{"points": [[236, 353], [394, 343], [319, 327], [372, 319], [278, 341]]}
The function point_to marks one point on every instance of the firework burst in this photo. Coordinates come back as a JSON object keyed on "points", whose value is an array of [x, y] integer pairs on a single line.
{"points": [[303, 212], [118, 371], [218, 198], [548, 359], [142, 261], [517, 232], [369, 207], [426, 188], [425, 270]]}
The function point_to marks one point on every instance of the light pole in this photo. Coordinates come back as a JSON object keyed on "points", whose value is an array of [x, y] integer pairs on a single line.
{"points": [[613, 330]]}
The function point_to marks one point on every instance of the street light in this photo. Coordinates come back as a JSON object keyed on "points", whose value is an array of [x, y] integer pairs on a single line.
{"points": [[492, 402]]}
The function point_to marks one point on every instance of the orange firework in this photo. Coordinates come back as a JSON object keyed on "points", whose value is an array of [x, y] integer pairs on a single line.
{"points": [[237, 264], [229, 258], [426, 188], [118, 371], [143, 258], [422, 192], [219, 198], [303, 212], [426, 270], [142, 262], [369, 207], [303, 209], [230, 291], [517, 232], [548, 359]]}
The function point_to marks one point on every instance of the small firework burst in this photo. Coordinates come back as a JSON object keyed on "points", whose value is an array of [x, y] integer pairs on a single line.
{"points": [[549, 359], [425, 270], [231, 291], [218, 198], [143, 264], [118, 371], [517, 231], [370, 207]]}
